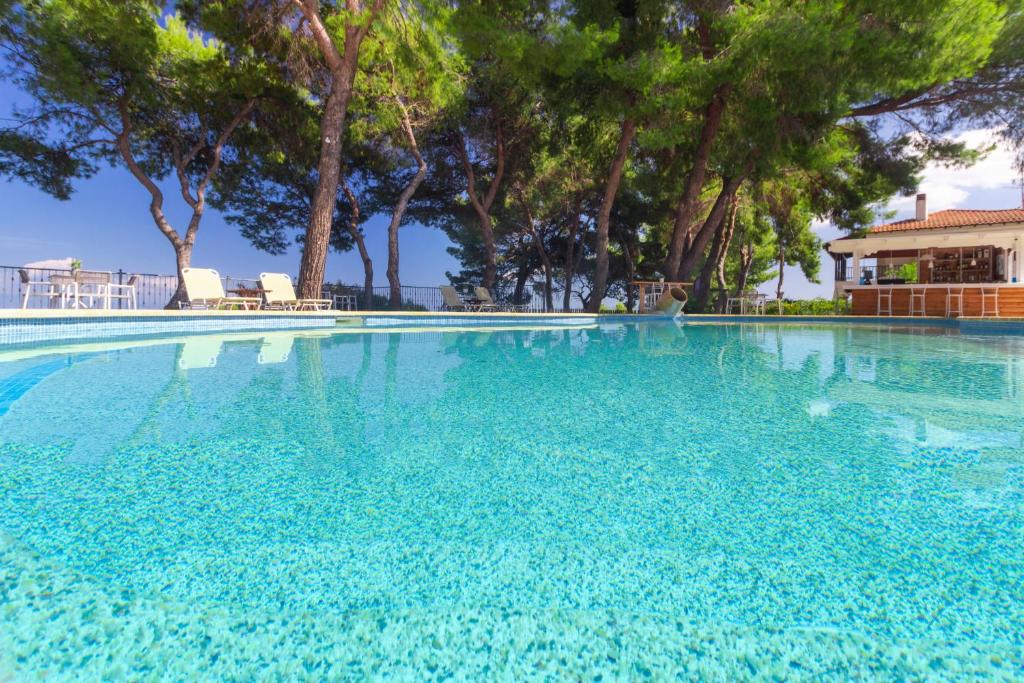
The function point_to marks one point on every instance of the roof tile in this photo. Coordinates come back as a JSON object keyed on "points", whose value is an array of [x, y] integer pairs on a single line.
{"points": [[955, 218]]}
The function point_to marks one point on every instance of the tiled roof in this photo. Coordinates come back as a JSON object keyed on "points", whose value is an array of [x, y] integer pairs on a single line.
{"points": [[955, 218]]}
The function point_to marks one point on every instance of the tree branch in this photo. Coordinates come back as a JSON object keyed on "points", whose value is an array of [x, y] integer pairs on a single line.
{"points": [[499, 151], [156, 196], [311, 11], [218, 150]]}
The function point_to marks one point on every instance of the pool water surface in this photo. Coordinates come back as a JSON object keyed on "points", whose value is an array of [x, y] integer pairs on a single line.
{"points": [[620, 501]]}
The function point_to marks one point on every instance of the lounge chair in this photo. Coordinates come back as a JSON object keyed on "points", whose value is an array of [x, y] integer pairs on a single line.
{"points": [[204, 290], [486, 302], [280, 294], [452, 301], [485, 296]]}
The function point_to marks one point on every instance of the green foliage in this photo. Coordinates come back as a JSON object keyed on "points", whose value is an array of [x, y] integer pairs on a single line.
{"points": [[809, 307], [805, 89], [97, 69]]}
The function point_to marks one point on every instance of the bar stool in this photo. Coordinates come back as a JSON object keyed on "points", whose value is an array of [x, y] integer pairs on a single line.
{"points": [[989, 301], [917, 298], [884, 301], [954, 302]]}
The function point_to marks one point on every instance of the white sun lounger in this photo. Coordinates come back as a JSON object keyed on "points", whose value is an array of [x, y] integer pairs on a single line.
{"points": [[280, 294], [204, 290]]}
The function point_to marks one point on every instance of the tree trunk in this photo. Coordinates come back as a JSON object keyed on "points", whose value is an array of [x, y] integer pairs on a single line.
{"points": [[570, 257], [782, 274], [521, 275], [715, 261], [482, 207], [746, 261], [723, 256], [542, 254], [403, 203], [342, 67], [318, 231], [549, 302], [707, 230], [183, 259], [687, 206], [357, 237], [630, 276], [626, 134]]}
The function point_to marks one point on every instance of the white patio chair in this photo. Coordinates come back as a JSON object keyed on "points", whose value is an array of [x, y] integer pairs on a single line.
{"points": [[42, 289], [123, 292]]}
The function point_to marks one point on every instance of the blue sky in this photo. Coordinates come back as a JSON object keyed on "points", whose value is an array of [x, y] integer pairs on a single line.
{"points": [[107, 225]]}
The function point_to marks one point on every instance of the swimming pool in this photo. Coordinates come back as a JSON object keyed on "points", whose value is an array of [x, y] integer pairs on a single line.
{"points": [[626, 501]]}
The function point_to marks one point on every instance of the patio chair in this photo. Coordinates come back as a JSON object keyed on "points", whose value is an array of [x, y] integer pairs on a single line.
{"points": [[748, 299], [205, 290], [756, 301], [43, 289], [451, 301], [486, 302], [125, 292], [280, 294], [735, 301]]}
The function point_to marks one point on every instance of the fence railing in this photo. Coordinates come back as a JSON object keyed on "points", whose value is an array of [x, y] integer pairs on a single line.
{"points": [[154, 291], [415, 298]]}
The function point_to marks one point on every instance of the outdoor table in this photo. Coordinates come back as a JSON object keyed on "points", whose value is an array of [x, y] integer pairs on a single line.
{"points": [[248, 292], [81, 288]]}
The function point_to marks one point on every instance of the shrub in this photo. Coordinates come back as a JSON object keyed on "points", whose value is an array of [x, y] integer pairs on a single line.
{"points": [[818, 306]]}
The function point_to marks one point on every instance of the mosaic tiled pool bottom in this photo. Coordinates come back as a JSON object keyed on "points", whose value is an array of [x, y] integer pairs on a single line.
{"points": [[626, 502]]}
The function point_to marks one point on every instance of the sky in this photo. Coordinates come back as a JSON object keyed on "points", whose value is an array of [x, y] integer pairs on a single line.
{"points": [[107, 226]]}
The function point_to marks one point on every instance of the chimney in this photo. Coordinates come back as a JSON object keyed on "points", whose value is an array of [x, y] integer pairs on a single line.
{"points": [[922, 211]]}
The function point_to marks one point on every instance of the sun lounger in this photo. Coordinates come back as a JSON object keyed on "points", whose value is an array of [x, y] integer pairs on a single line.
{"points": [[452, 300], [205, 290], [486, 302], [280, 294]]}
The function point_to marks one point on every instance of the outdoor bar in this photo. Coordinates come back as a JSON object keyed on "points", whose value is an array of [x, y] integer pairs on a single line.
{"points": [[952, 263]]}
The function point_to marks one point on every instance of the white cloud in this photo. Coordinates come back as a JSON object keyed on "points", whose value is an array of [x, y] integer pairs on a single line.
{"points": [[949, 187]]}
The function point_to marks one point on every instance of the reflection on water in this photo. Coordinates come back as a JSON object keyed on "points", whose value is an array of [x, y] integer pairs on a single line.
{"points": [[924, 390], [774, 478]]}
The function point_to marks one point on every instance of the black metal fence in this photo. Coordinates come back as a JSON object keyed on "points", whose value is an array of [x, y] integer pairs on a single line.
{"points": [[416, 298], [154, 291]]}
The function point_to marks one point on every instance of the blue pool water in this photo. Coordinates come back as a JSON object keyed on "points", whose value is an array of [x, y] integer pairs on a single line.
{"points": [[624, 502]]}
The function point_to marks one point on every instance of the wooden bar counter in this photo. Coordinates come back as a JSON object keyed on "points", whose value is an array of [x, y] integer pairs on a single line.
{"points": [[1006, 298]]}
